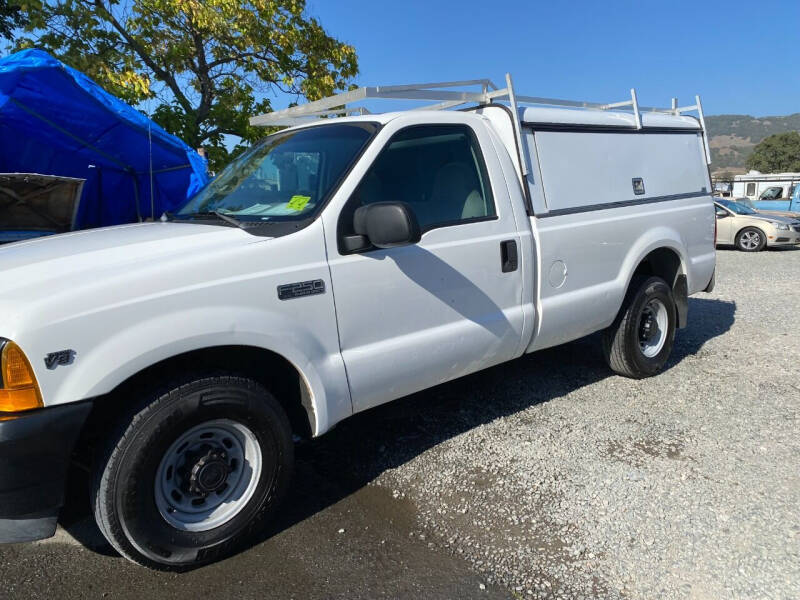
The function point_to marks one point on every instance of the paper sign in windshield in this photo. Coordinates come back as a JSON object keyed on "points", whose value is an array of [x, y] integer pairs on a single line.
{"points": [[298, 202]]}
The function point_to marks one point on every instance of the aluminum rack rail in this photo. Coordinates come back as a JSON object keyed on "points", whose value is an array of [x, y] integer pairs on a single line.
{"points": [[444, 98]]}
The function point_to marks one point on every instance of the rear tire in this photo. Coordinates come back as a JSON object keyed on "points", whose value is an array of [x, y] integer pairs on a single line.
{"points": [[639, 341], [193, 472], [751, 239]]}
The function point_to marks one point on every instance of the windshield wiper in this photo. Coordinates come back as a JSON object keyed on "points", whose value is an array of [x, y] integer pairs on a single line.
{"points": [[213, 213], [228, 218]]}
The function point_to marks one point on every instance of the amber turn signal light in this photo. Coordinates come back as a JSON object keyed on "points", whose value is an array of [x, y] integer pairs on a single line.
{"points": [[18, 387]]}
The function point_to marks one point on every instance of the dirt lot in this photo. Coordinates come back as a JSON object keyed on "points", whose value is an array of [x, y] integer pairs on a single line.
{"points": [[545, 477]]}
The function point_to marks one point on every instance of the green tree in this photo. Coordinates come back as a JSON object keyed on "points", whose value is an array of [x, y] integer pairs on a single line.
{"points": [[11, 17], [779, 153], [207, 65]]}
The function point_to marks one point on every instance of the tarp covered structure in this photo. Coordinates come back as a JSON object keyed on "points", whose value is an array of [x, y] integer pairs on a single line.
{"points": [[54, 120]]}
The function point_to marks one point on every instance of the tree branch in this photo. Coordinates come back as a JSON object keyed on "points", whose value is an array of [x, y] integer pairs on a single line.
{"points": [[140, 50], [217, 131], [202, 72]]}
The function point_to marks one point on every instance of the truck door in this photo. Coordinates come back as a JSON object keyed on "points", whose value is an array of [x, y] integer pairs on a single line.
{"points": [[772, 199], [415, 316]]}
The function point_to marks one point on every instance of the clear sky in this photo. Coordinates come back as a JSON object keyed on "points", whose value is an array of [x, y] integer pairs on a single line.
{"points": [[742, 57]]}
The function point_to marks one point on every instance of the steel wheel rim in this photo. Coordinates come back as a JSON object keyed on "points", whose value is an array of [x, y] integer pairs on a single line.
{"points": [[750, 240], [188, 493], [653, 326]]}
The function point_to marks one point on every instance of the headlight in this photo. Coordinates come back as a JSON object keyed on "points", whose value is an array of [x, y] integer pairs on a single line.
{"points": [[782, 226], [18, 387]]}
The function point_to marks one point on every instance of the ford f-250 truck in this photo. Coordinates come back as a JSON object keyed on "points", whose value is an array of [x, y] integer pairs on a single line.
{"points": [[337, 265]]}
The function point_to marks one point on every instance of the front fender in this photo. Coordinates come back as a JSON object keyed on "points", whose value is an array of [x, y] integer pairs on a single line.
{"points": [[98, 369]]}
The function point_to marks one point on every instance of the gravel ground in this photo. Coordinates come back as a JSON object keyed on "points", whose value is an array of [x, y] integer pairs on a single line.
{"points": [[556, 479], [544, 477]]}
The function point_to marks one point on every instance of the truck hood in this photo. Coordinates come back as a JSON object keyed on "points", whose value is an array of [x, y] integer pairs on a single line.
{"points": [[40, 203], [36, 269]]}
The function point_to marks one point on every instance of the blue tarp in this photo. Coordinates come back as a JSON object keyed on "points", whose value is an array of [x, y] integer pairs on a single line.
{"points": [[56, 121]]}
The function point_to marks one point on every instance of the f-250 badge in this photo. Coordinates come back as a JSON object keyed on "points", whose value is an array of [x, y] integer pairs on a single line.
{"points": [[300, 289], [62, 357]]}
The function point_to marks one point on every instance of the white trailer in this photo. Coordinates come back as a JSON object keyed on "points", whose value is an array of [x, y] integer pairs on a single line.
{"points": [[765, 186]]}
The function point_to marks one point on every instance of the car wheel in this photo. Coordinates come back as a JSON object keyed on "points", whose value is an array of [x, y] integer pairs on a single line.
{"points": [[639, 341], [193, 472], [751, 239]]}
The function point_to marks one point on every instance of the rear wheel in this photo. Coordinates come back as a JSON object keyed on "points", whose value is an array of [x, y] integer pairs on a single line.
{"points": [[751, 239], [639, 341], [193, 472]]}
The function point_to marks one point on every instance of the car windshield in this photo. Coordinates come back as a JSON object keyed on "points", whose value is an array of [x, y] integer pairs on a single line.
{"points": [[285, 177], [739, 209], [746, 202]]}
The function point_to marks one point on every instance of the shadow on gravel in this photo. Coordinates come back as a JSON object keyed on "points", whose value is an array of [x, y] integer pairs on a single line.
{"points": [[346, 459], [708, 318]]}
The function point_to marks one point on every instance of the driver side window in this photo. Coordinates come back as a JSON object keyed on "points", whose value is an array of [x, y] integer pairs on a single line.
{"points": [[438, 170], [773, 193]]}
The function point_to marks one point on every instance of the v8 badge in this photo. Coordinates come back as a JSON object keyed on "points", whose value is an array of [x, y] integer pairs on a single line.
{"points": [[62, 357]]}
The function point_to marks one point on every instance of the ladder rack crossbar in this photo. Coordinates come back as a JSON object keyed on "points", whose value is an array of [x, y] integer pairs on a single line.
{"points": [[619, 104], [449, 98], [444, 84], [440, 106]]}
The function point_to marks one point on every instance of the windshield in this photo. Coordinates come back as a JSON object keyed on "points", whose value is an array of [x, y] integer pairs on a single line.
{"points": [[285, 177], [739, 209], [745, 202]]}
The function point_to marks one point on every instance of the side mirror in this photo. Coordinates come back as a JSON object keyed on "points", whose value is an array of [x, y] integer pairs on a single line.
{"points": [[721, 213], [387, 224]]}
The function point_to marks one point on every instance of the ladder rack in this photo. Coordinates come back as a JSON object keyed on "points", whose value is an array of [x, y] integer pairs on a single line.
{"points": [[445, 97]]}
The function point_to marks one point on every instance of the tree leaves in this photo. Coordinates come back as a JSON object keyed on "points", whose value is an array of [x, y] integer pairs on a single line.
{"points": [[11, 17], [779, 153], [208, 65]]}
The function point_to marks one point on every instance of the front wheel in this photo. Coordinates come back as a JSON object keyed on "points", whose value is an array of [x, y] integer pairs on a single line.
{"points": [[639, 341], [751, 239], [193, 472]]}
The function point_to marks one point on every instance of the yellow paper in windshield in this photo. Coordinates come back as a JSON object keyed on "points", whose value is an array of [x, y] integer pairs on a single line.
{"points": [[298, 202]]}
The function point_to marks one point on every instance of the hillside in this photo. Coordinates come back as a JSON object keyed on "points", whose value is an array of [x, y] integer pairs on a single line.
{"points": [[732, 137]]}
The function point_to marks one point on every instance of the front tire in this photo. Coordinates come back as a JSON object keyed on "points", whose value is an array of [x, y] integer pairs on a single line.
{"points": [[751, 239], [193, 472], [639, 341]]}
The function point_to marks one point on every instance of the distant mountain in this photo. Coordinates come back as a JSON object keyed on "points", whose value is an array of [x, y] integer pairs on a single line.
{"points": [[732, 137]]}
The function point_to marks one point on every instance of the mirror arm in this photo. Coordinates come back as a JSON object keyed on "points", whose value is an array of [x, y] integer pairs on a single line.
{"points": [[353, 243]]}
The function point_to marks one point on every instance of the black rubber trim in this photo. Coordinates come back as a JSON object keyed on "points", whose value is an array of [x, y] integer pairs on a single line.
{"points": [[710, 287], [35, 450], [3, 342], [680, 293], [14, 531], [468, 221], [584, 128], [622, 204]]}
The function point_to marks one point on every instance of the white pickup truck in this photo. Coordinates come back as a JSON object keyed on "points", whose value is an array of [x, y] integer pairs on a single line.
{"points": [[337, 265]]}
